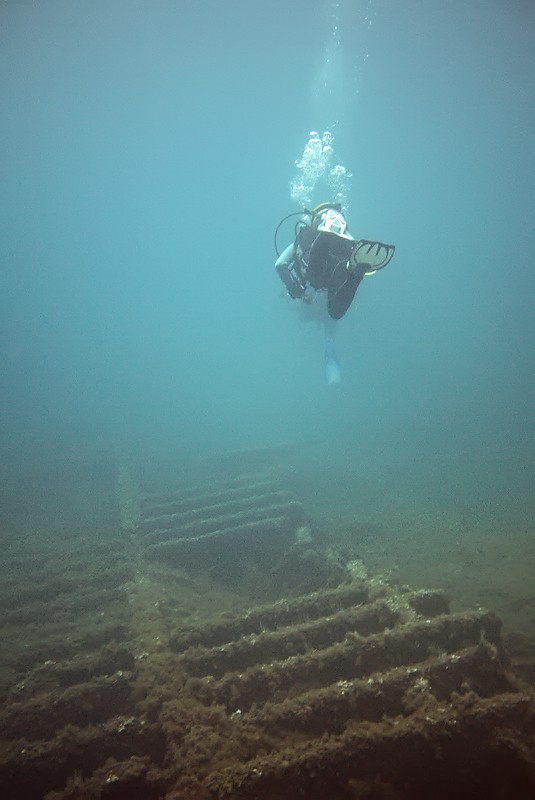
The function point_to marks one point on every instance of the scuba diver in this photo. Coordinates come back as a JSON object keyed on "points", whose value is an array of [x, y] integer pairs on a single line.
{"points": [[324, 257]]}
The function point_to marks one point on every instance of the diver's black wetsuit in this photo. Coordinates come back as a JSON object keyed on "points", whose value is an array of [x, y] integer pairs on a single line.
{"points": [[320, 259], [328, 269]]}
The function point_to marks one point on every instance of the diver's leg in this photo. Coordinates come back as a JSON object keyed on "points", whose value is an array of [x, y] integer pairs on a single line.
{"points": [[339, 301], [332, 367], [329, 326]]}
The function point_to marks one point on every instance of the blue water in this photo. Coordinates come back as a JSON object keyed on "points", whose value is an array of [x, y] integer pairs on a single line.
{"points": [[147, 154], [148, 150]]}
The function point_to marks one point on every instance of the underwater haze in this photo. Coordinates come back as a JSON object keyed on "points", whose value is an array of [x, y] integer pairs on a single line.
{"points": [[148, 153], [247, 551]]}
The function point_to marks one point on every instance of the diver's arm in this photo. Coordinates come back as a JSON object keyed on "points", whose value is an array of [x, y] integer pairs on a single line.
{"points": [[282, 265]]}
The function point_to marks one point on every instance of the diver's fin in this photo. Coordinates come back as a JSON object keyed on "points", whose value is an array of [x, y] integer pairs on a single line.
{"points": [[367, 256]]}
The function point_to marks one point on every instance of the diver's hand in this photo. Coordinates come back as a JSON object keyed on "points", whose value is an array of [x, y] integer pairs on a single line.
{"points": [[309, 296]]}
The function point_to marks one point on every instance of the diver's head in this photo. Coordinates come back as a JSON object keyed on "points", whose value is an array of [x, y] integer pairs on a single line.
{"points": [[328, 217]]}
